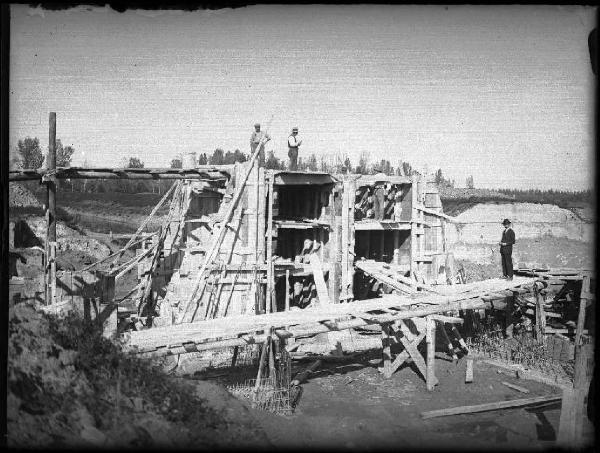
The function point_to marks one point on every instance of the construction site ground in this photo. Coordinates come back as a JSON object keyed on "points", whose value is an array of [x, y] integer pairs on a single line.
{"points": [[351, 405], [342, 405]]}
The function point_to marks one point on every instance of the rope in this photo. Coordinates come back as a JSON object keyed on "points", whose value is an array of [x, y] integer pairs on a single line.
{"points": [[154, 210], [116, 253], [124, 268], [160, 243]]}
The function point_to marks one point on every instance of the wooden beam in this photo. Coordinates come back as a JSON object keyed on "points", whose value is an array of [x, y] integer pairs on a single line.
{"points": [[315, 263], [430, 339], [490, 406], [50, 268], [518, 388], [301, 377], [422, 208], [208, 173], [585, 290], [271, 302]]}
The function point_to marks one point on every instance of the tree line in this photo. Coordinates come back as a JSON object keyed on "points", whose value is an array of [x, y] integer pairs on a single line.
{"points": [[29, 155]]}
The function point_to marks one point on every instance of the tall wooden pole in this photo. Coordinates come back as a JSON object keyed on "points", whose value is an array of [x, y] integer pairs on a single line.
{"points": [[51, 213]]}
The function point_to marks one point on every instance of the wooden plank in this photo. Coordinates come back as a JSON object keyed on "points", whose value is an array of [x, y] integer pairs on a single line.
{"points": [[518, 388], [490, 406], [345, 240], [207, 173], [271, 303], [571, 418], [315, 263], [469, 371], [430, 338], [287, 290], [423, 209], [50, 243], [585, 288], [369, 225], [301, 377], [448, 319]]}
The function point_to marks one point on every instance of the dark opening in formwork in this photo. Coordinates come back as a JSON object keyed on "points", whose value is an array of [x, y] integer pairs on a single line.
{"points": [[291, 243], [383, 245], [303, 201]]}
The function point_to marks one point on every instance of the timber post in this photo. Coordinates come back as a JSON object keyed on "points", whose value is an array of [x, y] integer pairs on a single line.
{"points": [[430, 340], [50, 180]]}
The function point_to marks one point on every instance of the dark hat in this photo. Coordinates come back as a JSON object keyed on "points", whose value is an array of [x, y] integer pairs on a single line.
{"points": [[257, 125], [506, 222]]}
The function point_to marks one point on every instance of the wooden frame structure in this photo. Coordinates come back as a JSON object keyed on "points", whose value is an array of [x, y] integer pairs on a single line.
{"points": [[273, 242]]}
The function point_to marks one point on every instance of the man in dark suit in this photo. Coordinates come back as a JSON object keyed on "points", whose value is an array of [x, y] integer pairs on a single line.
{"points": [[506, 243]]}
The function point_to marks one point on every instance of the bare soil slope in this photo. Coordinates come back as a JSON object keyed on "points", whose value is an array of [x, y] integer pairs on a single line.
{"points": [[69, 387]]}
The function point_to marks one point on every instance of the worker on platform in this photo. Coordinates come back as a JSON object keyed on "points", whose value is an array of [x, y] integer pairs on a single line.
{"points": [[293, 145], [506, 243], [255, 139]]}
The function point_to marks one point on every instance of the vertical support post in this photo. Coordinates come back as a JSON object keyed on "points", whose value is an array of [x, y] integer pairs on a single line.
{"points": [[386, 340], [430, 339], [50, 269], [444, 241], [287, 290], [540, 315], [396, 247], [583, 300], [572, 415], [271, 303], [261, 363], [413, 230]]}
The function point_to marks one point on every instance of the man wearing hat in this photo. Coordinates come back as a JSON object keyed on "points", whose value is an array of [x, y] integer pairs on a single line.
{"points": [[255, 139], [506, 243], [293, 145]]}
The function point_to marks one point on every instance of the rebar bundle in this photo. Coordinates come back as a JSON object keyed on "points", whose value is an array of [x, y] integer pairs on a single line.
{"points": [[521, 350], [273, 393]]}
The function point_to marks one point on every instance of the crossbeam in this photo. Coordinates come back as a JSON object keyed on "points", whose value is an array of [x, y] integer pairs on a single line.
{"points": [[241, 330], [206, 172]]}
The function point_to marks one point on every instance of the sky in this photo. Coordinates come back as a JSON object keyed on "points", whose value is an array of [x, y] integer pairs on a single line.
{"points": [[502, 93]]}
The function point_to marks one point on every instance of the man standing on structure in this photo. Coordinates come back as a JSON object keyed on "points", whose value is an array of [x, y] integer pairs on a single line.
{"points": [[506, 243], [293, 145], [255, 139]]}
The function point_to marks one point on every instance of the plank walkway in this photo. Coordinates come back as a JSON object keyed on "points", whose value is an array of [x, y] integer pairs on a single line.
{"points": [[242, 329]]}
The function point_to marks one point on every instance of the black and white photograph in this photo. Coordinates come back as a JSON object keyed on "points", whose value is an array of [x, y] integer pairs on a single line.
{"points": [[299, 227]]}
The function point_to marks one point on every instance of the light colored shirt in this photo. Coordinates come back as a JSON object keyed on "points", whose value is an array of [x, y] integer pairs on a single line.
{"points": [[293, 141], [256, 137]]}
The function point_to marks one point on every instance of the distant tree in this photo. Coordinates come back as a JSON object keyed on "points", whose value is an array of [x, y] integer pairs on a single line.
{"points": [[312, 163], [63, 154], [233, 157], [135, 162], [323, 166], [383, 167], [363, 164], [217, 158], [31, 153], [273, 163], [407, 167], [176, 163], [470, 182], [203, 160], [347, 165]]}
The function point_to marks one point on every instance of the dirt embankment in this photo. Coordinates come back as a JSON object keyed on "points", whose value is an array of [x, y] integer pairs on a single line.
{"points": [[69, 387], [546, 235]]}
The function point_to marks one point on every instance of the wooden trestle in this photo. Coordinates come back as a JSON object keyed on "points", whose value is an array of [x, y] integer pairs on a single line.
{"points": [[243, 330]]}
